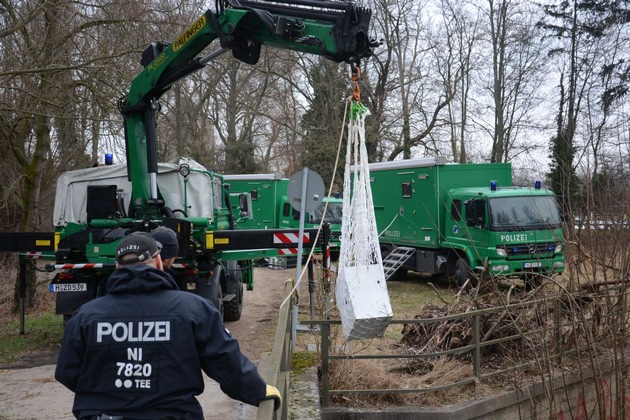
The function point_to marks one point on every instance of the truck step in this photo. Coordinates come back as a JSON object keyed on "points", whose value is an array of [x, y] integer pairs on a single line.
{"points": [[396, 259]]}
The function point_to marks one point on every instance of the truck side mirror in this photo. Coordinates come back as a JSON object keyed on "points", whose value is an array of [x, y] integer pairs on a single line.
{"points": [[243, 205]]}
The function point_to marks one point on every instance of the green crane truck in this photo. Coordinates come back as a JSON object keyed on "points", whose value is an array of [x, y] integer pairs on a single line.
{"points": [[100, 197], [464, 219], [215, 259]]}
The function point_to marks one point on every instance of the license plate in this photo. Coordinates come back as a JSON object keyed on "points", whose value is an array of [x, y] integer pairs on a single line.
{"points": [[68, 287], [534, 264]]}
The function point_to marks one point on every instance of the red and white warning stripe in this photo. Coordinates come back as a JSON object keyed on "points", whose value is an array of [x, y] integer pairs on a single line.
{"points": [[289, 238], [287, 251], [33, 255], [81, 266], [180, 265]]}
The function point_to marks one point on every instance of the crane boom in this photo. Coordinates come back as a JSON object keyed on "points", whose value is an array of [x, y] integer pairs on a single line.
{"points": [[333, 29]]}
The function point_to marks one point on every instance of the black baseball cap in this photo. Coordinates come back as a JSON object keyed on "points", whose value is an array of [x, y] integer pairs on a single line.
{"points": [[141, 244]]}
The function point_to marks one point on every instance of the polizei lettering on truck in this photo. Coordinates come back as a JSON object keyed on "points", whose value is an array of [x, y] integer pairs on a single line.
{"points": [[516, 237], [133, 332]]}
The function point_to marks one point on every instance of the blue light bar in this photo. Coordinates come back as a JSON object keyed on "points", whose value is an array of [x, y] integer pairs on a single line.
{"points": [[109, 159], [493, 185], [537, 185]]}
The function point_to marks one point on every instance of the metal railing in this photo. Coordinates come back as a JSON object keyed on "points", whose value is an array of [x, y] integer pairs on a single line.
{"points": [[275, 367], [475, 347]]}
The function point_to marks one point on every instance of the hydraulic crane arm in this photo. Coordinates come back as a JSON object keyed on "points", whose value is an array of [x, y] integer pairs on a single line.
{"points": [[331, 28]]}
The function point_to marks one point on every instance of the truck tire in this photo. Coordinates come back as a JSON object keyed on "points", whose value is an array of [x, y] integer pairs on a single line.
{"points": [[219, 300], [400, 274], [210, 289], [463, 273], [234, 285], [532, 281]]}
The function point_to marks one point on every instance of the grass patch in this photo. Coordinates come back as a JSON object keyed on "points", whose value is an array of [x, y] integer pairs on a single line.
{"points": [[42, 331], [408, 297], [302, 360]]}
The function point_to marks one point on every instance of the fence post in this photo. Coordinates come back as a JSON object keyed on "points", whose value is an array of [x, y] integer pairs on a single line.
{"points": [[311, 288], [326, 267], [22, 294], [325, 331], [477, 351]]}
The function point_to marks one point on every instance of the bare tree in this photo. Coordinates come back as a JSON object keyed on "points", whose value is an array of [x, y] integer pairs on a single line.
{"points": [[461, 29], [402, 92], [322, 121], [517, 71], [59, 85], [242, 105], [577, 50]]}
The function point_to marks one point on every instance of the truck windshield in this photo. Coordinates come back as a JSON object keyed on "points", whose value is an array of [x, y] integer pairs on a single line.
{"points": [[333, 213], [524, 213]]}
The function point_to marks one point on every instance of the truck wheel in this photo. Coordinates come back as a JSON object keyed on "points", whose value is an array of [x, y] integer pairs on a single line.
{"points": [[219, 300], [463, 273], [210, 289], [234, 285], [532, 281], [400, 274]]}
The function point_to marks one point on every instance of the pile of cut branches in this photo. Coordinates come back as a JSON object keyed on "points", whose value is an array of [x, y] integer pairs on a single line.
{"points": [[532, 323]]}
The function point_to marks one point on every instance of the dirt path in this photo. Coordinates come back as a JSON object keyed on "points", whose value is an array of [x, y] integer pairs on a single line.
{"points": [[28, 389]]}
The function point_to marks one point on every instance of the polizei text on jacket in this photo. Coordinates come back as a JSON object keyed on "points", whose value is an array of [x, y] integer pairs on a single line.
{"points": [[133, 332]]}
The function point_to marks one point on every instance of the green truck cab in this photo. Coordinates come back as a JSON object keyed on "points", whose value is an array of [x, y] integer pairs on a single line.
{"points": [[261, 202], [465, 219]]}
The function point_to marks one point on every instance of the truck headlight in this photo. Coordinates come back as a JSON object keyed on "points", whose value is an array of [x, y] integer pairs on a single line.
{"points": [[502, 252], [500, 268], [558, 249]]}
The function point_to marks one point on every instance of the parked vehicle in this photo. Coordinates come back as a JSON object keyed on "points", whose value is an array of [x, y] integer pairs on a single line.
{"points": [[464, 219], [264, 198]]}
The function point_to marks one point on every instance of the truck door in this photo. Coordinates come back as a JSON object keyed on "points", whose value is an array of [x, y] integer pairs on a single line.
{"points": [[289, 217], [476, 216]]}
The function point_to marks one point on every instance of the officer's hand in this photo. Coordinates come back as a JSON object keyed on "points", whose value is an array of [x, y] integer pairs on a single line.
{"points": [[273, 394]]}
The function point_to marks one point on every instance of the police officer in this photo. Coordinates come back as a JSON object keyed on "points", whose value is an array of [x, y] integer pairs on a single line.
{"points": [[170, 246], [138, 352]]}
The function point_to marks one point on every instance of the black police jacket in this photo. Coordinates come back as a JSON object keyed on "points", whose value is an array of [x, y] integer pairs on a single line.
{"points": [[139, 351]]}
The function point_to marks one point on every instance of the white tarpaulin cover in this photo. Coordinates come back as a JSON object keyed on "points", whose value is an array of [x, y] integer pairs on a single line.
{"points": [[71, 194], [361, 290]]}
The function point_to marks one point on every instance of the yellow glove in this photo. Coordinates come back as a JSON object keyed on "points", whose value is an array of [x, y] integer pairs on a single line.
{"points": [[274, 394]]}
